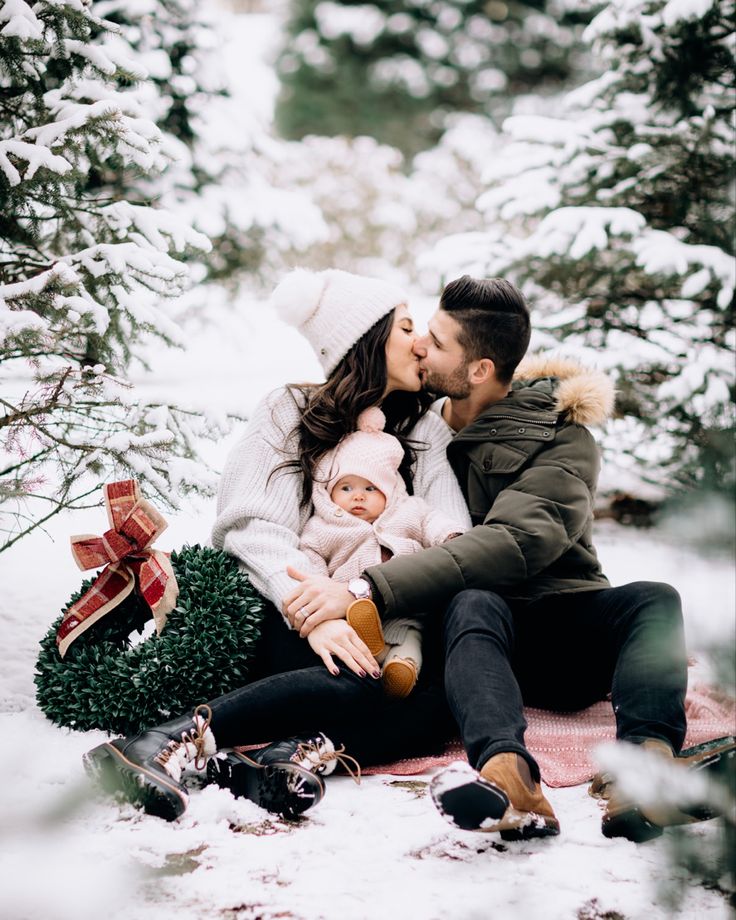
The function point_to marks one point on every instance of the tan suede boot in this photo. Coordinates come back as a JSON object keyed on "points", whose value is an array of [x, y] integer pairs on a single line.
{"points": [[502, 797], [529, 813], [626, 818]]}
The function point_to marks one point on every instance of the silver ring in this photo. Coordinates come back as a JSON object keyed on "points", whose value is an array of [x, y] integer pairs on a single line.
{"points": [[303, 611]]}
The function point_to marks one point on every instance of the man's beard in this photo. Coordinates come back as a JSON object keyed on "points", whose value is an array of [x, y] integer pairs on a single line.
{"points": [[454, 385]]}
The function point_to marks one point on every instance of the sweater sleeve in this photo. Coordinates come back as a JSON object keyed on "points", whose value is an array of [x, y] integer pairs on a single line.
{"points": [[532, 523], [258, 513]]}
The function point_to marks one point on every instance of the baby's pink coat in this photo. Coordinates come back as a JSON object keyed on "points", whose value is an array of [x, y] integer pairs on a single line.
{"points": [[343, 546]]}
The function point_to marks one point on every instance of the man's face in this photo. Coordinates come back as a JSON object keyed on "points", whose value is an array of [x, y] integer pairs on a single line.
{"points": [[443, 366]]}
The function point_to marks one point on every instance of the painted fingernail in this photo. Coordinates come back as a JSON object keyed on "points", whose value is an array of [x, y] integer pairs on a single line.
{"points": [[336, 672], [361, 672], [376, 674]]}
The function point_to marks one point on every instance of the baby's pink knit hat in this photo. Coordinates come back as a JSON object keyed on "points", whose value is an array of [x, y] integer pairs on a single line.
{"points": [[368, 452]]}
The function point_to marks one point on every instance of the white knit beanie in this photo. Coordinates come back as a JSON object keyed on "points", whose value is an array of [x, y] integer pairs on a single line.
{"points": [[333, 309], [368, 452]]}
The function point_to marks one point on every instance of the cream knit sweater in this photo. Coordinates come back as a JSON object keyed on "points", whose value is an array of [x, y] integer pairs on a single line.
{"points": [[259, 520]]}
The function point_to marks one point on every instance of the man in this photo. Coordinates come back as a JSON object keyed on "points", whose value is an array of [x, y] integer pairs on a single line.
{"points": [[529, 616]]}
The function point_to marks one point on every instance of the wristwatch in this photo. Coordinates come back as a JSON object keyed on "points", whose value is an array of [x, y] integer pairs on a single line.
{"points": [[360, 588]]}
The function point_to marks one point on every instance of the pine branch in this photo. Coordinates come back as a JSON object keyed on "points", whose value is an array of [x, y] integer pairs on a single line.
{"points": [[36, 523], [28, 460]]}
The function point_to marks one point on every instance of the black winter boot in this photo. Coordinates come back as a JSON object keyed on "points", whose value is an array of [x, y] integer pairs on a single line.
{"points": [[315, 753], [284, 777], [280, 787], [146, 769]]}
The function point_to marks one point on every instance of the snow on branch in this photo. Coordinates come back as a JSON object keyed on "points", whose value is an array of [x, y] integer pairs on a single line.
{"points": [[20, 21], [576, 232], [160, 229], [35, 156]]}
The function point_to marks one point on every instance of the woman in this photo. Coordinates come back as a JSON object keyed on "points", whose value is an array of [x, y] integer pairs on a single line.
{"points": [[326, 686]]}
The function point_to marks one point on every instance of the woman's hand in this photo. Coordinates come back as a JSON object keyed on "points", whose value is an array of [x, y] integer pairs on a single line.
{"points": [[316, 599], [338, 638]]}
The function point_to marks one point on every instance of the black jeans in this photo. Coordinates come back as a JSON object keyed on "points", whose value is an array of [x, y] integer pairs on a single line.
{"points": [[293, 692], [565, 652]]}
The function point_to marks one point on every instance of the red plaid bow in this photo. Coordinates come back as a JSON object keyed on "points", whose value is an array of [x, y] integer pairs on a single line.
{"points": [[125, 552]]}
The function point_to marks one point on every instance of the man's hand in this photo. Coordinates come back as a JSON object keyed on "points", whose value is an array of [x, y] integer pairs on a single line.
{"points": [[337, 637], [316, 599]]}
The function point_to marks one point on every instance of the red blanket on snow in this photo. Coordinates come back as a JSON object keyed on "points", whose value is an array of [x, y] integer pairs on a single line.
{"points": [[563, 743]]}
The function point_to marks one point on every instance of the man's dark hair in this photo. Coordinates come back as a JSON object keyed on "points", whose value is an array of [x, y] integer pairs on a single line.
{"points": [[493, 319]]}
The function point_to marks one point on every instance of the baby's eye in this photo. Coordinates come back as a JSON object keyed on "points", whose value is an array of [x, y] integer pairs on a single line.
{"points": [[345, 488], [371, 489]]}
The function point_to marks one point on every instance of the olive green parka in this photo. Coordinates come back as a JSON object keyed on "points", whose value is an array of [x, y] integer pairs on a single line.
{"points": [[528, 468]]}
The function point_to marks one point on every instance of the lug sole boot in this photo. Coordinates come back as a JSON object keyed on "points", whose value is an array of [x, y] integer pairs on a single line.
{"points": [[281, 787], [109, 768], [503, 797], [624, 818], [315, 753], [399, 677], [146, 769], [363, 616]]}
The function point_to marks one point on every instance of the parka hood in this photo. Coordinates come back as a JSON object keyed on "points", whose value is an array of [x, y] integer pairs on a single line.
{"points": [[586, 395]]}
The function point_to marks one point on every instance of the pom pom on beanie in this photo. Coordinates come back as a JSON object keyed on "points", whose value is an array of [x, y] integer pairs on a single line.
{"points": [[298, 296], [371, 420]]}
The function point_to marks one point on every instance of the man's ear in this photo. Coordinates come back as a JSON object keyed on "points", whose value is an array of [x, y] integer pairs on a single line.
{"points": [[482, 371]]}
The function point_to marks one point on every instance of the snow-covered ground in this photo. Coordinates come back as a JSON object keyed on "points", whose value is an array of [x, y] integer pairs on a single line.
{"points": [[378, 850]]}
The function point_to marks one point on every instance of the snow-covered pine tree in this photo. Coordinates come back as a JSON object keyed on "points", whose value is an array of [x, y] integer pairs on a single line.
{"points": [[82, 273], [178, 44], [618, 220], [393, 70]]}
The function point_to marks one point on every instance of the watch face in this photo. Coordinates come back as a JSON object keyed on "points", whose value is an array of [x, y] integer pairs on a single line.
{"points": [[359, 588]]}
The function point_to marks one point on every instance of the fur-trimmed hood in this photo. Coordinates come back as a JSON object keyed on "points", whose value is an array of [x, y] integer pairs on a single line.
{"points": [[587, 395]]}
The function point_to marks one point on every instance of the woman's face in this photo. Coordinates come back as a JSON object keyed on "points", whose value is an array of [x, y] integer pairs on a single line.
{"points": [[402, 365]]}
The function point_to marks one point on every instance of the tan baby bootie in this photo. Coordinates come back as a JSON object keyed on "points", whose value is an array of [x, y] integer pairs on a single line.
{"points": [[363, 616], [399, 677]]}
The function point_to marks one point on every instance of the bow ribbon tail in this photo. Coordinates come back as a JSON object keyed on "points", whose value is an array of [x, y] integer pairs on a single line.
{"points": [[156, 584], [108, 590]]}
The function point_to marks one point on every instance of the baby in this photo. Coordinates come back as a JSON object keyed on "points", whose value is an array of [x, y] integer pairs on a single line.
{"points": [[363, 515]]}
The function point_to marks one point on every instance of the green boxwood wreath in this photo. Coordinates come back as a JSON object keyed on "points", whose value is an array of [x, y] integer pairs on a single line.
{"points": [[204, 650]]}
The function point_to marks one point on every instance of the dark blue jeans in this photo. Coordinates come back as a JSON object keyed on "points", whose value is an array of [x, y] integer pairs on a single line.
{"points": [[292, 692], [565, 652]]}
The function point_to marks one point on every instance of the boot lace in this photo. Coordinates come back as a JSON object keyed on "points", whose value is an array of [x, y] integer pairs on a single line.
{"points": [[196, 737], [314, 752]]}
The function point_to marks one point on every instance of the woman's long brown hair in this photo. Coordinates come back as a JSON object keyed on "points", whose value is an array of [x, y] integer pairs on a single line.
{"points": [[330, 410]]}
